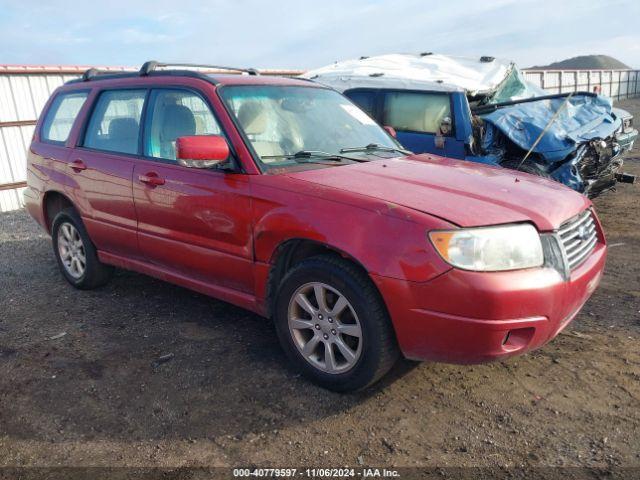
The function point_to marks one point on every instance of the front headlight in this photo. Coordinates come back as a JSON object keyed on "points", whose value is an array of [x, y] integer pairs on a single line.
{"points": [[507, 247]]}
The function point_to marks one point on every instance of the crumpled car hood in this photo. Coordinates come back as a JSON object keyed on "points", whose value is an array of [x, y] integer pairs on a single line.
{"points": [[464, 193], [584, 118]]}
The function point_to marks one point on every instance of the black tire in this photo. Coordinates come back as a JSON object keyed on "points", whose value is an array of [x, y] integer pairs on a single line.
{"points": [[95, 273], [379, 350], [527, 167]]}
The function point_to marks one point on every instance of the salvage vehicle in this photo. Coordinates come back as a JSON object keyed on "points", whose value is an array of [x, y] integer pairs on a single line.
{"points": [[483, 110], [281, 196]]}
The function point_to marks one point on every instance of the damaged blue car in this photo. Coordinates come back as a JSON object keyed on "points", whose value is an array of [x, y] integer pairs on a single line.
{"points": [[483, 110]]}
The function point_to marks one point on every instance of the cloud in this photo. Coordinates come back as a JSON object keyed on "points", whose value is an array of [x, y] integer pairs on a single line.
{"points": [[306, 34]]}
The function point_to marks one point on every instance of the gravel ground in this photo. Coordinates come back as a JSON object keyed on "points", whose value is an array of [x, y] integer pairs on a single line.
{"points": [[83, 382]]}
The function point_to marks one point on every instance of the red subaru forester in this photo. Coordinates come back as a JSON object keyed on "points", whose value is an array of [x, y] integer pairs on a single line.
{"points": [[282, 197]]}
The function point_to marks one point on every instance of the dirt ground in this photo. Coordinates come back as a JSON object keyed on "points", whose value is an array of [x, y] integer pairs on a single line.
{"points": [[81, 384]]}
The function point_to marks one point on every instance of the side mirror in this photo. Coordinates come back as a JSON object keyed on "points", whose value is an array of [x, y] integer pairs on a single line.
{"points": [[201, 151], [391, 131], [446, 125]]}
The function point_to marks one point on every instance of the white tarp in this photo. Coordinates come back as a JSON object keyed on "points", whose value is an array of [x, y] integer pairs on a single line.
{"points": [[407, 71]]}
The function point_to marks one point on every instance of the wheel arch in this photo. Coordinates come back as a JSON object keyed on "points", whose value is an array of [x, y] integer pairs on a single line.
{"points": [[292, 251], [53, 203]]}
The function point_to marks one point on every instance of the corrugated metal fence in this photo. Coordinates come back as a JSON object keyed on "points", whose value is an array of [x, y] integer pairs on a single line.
{"points": [[24, 91], [616, 84]]}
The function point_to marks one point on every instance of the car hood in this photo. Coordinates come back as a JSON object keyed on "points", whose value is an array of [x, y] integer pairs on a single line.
{"points": [[463, 193], [583, 118]]}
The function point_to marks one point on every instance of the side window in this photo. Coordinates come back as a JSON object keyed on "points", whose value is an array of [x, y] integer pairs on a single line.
{"points": [[173, 114], [115, 122], [366, 100], [416, 112], [61, 115]]}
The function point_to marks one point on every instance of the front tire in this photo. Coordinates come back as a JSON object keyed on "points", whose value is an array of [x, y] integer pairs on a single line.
{"points": [[333, 324], [76, 255]]}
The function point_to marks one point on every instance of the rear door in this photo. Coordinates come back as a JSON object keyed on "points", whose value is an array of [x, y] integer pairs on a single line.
{"points": [[52, 145], [191, 222], [102, 166]]}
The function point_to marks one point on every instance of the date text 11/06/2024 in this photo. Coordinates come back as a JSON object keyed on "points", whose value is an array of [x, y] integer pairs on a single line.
{"points": [[317, 472]]}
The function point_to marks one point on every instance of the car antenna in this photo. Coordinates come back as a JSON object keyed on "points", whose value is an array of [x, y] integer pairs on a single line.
{"points": [[544, 130]]}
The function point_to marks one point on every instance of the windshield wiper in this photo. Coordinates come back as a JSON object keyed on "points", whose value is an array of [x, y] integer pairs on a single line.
{"points": [[303, 156], [375, 147]]}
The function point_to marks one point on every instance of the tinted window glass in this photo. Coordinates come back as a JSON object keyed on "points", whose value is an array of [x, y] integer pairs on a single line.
{"points": [[173, 114], [61, 115], [115, 123], [365, 100], [417, 112]]}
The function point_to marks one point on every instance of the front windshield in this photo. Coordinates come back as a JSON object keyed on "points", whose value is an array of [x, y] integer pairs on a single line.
{"points": [[515, 87], [280, 121]]}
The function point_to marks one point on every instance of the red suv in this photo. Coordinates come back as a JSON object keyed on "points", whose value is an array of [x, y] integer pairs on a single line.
{"points": [[282, 197]]}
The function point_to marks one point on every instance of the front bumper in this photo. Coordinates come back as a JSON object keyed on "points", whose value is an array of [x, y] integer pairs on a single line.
{"points": [[473, 317]]}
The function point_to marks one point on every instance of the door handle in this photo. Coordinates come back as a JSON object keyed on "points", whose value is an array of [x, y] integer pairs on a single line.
{"points": [[152, 179], [77, 165]]}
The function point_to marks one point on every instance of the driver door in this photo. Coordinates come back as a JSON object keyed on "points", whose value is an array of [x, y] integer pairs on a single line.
{"points": [[192, 222], [423, 121]]}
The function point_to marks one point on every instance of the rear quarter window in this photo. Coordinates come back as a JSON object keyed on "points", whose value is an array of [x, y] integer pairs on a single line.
{"points": [[60, 117]]}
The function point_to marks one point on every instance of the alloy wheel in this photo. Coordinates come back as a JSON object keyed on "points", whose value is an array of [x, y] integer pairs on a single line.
{"points": [[325, 327], [71, 250]]}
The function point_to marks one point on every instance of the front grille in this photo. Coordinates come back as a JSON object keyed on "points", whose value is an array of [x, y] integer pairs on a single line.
{"points": [[578, 237]]}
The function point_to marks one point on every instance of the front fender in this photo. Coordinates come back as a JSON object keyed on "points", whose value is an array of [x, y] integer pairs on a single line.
{"points": [[387, 240]]}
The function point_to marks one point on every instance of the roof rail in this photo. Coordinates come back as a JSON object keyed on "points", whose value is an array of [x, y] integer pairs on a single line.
{"points": [[152, 65]]}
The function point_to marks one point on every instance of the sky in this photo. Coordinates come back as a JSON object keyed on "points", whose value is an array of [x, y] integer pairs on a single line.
{"points": [[308, 34]]}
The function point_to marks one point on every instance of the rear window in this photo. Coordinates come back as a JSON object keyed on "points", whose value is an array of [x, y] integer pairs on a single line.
{"points": [[115, 122], [61, 115]]}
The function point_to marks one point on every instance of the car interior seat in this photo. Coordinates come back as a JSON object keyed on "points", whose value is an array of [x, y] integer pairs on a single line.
{"points": [[254, 119], [123, 135], [177, 121]]}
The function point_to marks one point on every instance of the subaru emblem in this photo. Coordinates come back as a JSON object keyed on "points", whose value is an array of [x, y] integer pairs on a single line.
{"points": [[582, 232]]}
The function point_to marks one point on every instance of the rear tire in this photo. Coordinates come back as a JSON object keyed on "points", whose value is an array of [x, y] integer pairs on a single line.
{"points": [[345, 340], [526, 167], [75, 253]]}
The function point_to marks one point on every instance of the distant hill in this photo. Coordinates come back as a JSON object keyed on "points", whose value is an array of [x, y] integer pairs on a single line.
{"points": [[585, 62]]}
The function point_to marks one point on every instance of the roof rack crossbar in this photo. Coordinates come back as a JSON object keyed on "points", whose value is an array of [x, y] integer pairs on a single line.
{"points": [[152, 65], [94, 72]]}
